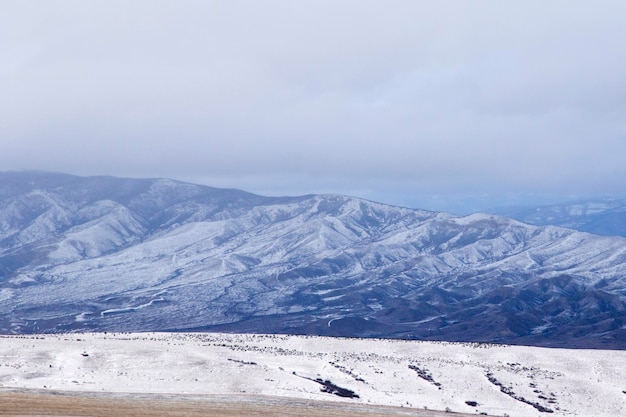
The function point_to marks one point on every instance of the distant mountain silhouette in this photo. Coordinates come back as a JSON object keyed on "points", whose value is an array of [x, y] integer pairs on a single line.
{"points": [[602, 216]]}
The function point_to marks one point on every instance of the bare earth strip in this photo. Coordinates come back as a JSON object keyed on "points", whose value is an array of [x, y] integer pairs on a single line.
{"points": [[36, 404]]}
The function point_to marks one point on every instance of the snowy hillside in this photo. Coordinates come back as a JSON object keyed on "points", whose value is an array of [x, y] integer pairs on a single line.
{"points": [[103, 253], [469, 378]]}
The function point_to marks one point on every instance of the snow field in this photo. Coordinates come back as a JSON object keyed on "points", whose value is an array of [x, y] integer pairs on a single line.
{"points": [[436, 375]]}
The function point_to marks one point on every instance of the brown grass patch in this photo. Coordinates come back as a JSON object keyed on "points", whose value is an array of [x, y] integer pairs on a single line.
{"points": [[36, 404]]}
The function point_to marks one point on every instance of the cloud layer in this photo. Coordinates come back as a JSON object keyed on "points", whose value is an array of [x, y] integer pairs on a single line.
{"points": [[373, 98]]}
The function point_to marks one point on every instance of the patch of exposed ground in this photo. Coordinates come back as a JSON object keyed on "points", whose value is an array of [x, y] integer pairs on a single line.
{"points": [[36, 404]]}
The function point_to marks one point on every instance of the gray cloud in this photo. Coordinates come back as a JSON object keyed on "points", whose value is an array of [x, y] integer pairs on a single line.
{"points": [[381, 99]]}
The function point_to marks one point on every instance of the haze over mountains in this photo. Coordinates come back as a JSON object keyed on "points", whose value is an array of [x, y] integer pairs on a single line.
{"points": [[104, 253], [602, 216]]}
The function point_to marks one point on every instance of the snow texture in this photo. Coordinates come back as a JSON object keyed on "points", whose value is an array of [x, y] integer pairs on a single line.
{"points": [[463, 377]]}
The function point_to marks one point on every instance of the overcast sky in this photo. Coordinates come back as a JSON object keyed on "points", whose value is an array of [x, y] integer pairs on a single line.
{"points": [[419, 103]]}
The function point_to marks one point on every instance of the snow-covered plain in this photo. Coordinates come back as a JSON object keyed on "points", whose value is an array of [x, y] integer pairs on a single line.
{"points": [[462, 377]]}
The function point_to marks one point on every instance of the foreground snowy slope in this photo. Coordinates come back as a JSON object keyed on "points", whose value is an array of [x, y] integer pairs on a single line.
{"points": [[471, 378], [102, 253]]}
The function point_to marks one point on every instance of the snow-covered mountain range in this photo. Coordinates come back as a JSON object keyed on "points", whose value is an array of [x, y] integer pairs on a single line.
{"points": [[103, 253]]}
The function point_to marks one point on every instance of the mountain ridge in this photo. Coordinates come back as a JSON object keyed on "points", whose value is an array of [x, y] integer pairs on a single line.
{"points": [[102, 253]]}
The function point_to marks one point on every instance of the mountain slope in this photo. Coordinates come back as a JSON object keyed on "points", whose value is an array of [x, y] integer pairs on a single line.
{"points": [[103, 253]]}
